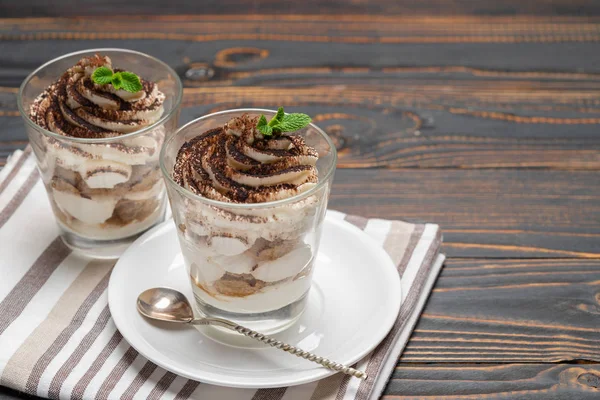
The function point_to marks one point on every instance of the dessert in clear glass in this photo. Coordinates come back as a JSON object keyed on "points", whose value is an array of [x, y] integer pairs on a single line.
{"points": [[249, 209], [96, 120]]}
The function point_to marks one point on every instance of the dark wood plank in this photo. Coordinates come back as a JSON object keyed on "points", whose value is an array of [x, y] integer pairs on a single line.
{"points": [[461, 92], [361, 7], [372, 130], [341, 27], [455, 124], [511, 381], [235, 46], [503, 311], [484, 213]]}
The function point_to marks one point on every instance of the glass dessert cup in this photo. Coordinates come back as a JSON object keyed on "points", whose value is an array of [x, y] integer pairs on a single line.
{"points": [[250, 262], [104, 192]]}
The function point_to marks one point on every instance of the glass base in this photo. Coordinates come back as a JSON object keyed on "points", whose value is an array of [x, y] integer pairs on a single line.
{"points": [[268, 322], [99, 248], [102, 249]]}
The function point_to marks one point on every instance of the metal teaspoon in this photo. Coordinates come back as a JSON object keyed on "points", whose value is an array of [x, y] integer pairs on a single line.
{"points": [[169, 305]]}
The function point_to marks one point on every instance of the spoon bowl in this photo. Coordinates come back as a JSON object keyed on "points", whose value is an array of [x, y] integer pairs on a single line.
{"points": [[165, 304]]}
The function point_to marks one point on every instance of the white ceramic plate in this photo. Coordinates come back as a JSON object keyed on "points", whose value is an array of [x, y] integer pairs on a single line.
{"points": [[353, 303]]}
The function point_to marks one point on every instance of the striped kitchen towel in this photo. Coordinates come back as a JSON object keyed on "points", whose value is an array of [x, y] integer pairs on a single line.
{"points": [[57, 338]]}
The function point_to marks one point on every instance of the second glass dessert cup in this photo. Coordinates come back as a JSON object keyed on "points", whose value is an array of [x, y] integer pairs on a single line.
{"points": [[104, 192], [250, 262]]}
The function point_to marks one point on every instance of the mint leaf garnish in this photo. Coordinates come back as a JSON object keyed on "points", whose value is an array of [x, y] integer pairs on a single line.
{"points": [[116, 81], [102, 75], [263, 126], [282, 122], [293, 122], [278, 117], [120, 80], [131, 82]]}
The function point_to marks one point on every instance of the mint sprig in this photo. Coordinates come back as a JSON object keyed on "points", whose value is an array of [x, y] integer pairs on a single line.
{"points": [[102, 75], [264, 127], [131, 82], [120, 80], [282, 122]]}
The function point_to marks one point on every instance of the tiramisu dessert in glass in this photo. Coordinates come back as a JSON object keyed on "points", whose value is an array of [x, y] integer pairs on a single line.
{"points": [[96, 121], [249, 191]]}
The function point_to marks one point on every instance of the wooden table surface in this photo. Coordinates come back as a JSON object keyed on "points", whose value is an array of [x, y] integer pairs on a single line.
{"points": [[485, 123]]}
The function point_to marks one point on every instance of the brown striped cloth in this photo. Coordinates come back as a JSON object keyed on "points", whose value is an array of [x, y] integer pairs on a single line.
{"points": [[57, 338]]}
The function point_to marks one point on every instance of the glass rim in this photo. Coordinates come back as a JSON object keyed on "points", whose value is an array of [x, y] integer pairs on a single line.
{"points": [[161, 121], [241, 206]]}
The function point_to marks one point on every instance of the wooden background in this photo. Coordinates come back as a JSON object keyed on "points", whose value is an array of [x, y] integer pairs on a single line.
{"points": [[481, 116]]}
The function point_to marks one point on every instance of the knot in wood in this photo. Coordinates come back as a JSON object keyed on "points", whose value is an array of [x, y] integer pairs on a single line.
{"points": [[199, 73], [336, 132], [232, 57], [589, 379]]}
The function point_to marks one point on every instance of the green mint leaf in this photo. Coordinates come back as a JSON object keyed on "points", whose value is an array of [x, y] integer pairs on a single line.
{"points": [[293, 122], [130, 82], [117, 81], [263, 126], [102, 76], [262, 121], [282, 122], [277, 118], [266, 130]]}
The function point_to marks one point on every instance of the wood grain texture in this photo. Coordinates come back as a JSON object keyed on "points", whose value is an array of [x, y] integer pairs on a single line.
{"points": [[490, 382], [504, 311], [484, 213], [42, 8], [410, 92], [409, 136]]}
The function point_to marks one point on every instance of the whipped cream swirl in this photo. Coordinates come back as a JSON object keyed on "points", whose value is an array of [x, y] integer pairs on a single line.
{"points": [[236, 163], [76, 106]]}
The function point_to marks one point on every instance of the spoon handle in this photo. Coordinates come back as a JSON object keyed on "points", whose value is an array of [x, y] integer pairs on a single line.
{"points": [[282, 346]]}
